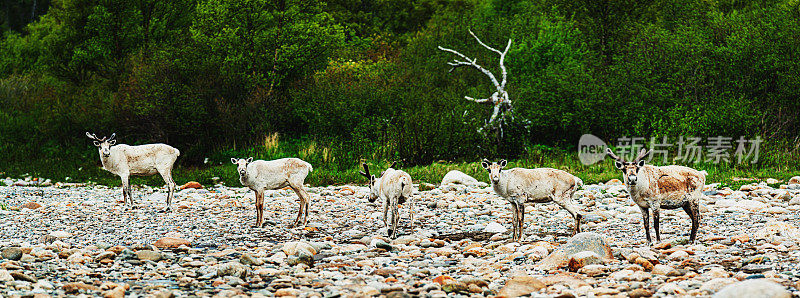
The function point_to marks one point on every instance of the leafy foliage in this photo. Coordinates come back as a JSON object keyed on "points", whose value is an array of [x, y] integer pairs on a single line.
{"points": [[363, 80]]}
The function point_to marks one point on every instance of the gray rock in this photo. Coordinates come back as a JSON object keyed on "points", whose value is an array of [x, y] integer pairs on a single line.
{"points": [[586, 241], [754, 288], [12, 253], [148, 255]]}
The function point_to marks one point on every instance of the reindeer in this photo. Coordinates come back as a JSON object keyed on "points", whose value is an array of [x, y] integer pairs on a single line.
{"points": [[520, 186], [666, 187], [394, 187], [262, 175], [143, 160]]}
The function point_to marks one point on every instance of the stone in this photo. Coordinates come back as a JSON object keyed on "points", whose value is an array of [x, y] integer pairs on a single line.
{"points": [[584, 258], [232, 269], [678, 255], [750, 205], [298, 248], [777, 228], [5, 275], [716, 284], [12, 253], [458, 177], [105, 255], [31, 205], [117, 292], [249, 259], [586, 241], [23, 277], [520, 286], [754, 288], [192, 184], [60, 234], [660, 269], [593, 270], [171, 243], [638, 293], [148, 255], [794, 180], [75, 287], [495, 227]]}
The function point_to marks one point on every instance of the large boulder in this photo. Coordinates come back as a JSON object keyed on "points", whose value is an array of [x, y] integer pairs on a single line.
{"points": [[458, 177], [586, 241], [754, 288], [777, 228]]}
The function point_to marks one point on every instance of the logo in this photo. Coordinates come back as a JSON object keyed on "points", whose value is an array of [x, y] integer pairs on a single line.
{"points": [[591, 149]]}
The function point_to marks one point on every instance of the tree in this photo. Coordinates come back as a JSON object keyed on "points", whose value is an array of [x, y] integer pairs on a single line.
{"points": [[264, 42], [502, 103]]}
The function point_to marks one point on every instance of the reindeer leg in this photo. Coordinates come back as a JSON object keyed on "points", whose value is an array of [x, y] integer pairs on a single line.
{"points": [[646, 222], [567, 204], [521, 229], [259, 208], [693, 210], [395, 219], [385, 212], [514, 221], [126, 190], [167, 176], [302, 195], [656, 213]]}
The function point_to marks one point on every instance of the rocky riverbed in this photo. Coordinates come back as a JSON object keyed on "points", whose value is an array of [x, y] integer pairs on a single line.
{"points": [[74, 239]]}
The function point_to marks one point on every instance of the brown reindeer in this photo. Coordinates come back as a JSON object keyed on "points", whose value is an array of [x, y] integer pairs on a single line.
{"points": [[666, 187]]}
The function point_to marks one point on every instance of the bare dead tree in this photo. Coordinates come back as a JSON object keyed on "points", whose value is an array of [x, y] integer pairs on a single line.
{"points": [[502, 104]]}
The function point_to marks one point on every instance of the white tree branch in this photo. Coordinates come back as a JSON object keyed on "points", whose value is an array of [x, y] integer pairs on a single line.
{"points": [[469, 62], [500, 100]]}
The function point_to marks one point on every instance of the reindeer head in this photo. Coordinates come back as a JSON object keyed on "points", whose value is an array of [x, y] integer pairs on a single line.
{"points": [[494, 169], [373, 191], [241, 165], [103, 145], [630, 170]]}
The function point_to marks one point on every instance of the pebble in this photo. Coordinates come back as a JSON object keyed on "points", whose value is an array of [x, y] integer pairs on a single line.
{"points": [[83, 240]]}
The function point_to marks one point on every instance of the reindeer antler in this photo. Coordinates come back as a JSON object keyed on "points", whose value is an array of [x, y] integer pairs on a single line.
{"points": [[94, 137], [365, 173], [642, 154], [612, 155]]}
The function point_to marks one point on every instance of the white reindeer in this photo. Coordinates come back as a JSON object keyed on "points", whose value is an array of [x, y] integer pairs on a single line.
{"points": [[394, 187], [262, 175], [667, 187], [143, 160], [520, 186]]}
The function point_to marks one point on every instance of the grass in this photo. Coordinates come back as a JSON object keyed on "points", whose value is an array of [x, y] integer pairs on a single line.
{"points": [[329, 168]]}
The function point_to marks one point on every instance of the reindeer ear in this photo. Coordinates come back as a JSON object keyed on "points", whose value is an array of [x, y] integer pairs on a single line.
{"points": [[112, 142], [485, 163], [502, 163], [113, 135], [249, 159], [619, 165], [640, 163], [96, 143], [233, 160]]}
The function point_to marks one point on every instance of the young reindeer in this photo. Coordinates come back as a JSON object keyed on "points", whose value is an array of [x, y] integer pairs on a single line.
{"points": [[667, 187], [520, 186], [262, 175], [394, 187], [143, 160]]}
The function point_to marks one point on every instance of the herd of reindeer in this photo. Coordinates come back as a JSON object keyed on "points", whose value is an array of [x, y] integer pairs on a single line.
{"points": [[651, 187]]}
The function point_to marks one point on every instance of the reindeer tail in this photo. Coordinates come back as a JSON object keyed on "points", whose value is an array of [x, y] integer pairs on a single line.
{"points": [[578, 183]]}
